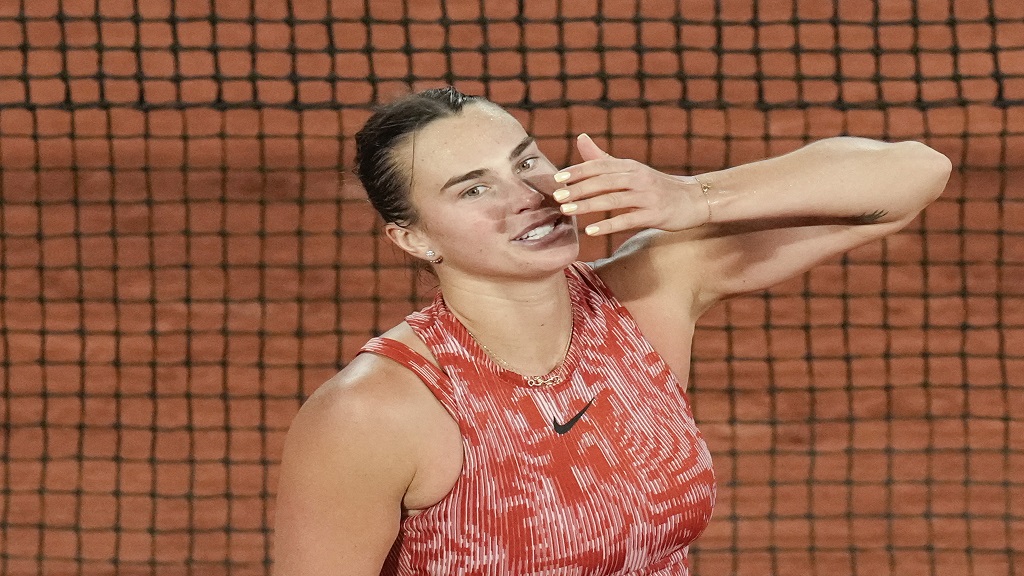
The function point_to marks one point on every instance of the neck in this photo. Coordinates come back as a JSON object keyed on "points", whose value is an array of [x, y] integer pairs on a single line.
{"points": [[526, 324]]}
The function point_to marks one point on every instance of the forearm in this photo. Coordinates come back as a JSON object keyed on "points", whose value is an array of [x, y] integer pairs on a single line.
{"points": [[852, 179]]}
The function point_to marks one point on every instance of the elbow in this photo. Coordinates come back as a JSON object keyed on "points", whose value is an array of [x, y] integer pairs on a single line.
{"points": [[930, 167], [919, 172], [909, 161]]}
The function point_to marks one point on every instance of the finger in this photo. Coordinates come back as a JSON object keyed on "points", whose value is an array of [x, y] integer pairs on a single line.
{"points": [[615, 201], [595, 161], [619, 223], [591, 168], [595, 186], [589, 150]]}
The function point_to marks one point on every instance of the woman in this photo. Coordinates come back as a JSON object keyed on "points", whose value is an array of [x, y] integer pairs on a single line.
{"points": [[533, 419]]}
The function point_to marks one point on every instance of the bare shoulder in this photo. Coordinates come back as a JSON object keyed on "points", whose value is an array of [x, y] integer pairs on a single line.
{"points": [[355, 419], [372, 393], [378, 415], [344, 472], [353, 458]]}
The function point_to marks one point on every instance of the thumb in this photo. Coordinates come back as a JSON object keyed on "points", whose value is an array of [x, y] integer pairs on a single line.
{"points": [[589, 150]]}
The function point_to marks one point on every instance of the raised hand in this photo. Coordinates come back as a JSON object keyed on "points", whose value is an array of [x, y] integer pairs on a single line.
{"points": [[638, 196]]}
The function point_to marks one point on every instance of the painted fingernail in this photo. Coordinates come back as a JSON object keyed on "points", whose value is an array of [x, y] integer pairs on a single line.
{"points": [[591, 230], [569, 208], [561, 194], [562, 176]]}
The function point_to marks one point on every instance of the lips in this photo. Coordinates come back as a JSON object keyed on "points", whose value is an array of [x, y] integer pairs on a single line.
{"points": [[539, 229], [538, 232]]}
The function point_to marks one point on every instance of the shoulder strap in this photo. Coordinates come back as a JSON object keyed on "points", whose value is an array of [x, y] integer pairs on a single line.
{"points": [[588, 276], [425, 370]]}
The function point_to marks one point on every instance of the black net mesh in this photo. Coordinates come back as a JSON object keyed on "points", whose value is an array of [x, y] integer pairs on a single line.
{"points": [[183, 259]]}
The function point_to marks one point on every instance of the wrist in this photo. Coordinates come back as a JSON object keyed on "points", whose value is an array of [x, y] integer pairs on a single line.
{"points": [[705, 192]]}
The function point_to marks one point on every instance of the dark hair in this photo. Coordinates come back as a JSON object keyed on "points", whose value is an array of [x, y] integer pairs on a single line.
{"points": [[386, 184]]}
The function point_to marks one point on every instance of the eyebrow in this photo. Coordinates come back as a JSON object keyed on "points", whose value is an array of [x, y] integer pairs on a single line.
{"points": [[521, 147], [473, 174]]}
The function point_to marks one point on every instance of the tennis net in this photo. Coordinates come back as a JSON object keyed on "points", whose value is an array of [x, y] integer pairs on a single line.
{"points": [[184, 258]]}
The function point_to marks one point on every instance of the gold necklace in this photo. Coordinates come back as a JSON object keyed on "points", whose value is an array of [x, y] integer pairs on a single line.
{"points": [[550, 379]]}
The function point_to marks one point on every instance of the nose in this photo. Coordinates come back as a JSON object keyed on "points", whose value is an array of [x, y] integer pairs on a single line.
{"points": [[534, 191], [543, 183], [525, 196]]}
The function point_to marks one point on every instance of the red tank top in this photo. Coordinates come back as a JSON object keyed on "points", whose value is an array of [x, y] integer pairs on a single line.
{"points": [[605, 473]]}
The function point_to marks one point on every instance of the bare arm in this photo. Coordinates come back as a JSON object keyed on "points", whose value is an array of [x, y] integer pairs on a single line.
{"points": [[344, 473], [758, 223], [776, 218], [769, 220]]}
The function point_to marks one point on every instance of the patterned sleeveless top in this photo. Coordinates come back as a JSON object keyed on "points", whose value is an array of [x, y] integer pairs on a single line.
{"points": [[604, 473]]}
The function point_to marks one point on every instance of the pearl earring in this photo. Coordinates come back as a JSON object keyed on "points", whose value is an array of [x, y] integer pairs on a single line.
{"points": [[433, 258]]}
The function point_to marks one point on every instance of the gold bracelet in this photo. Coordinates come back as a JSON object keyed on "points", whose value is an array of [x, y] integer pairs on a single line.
{"points": [[704, 189]]}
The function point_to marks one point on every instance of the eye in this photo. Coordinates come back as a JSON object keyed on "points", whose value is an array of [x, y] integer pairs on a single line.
{"points": [[473, 192], [526, 164]]}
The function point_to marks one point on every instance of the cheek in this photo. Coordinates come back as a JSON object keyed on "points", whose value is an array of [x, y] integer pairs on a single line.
{"points": [[494, 214], [469, 226], [490, 212]]}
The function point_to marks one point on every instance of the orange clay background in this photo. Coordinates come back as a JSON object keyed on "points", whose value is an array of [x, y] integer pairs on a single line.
{"points": [[183, 259]]}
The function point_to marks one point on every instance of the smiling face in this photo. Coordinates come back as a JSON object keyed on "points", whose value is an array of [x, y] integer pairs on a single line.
{"points": [[482, 192]]}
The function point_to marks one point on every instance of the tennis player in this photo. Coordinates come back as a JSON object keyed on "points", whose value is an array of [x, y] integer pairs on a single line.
{"points": [[533, 419]]}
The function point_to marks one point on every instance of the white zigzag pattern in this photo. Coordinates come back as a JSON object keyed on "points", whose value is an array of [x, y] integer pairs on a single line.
{"points": [[625, 491]]}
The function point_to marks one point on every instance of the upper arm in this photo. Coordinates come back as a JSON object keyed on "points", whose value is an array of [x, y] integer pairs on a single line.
{"points": [[685, 272], [343, 475], [779, 217], [745, 258], [667, 280]]}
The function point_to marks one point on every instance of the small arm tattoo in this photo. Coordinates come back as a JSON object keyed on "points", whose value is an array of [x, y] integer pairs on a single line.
{"points": [[872, 217]]}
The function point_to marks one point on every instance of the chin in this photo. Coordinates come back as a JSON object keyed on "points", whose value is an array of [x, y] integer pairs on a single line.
{"points": [[555, 259]]}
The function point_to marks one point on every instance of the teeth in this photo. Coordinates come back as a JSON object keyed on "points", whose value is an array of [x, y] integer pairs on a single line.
{"points": [[538, 232]]}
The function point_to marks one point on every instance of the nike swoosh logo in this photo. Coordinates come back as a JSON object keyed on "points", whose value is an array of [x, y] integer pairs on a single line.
{"points": [[564, 428]]}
